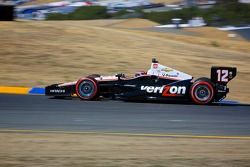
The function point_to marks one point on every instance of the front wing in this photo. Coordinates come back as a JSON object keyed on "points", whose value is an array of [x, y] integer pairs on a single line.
{"points": [[63, 91]]}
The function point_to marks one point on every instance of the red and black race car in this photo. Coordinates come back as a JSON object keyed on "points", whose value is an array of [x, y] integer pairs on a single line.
{"points": [[159, 83]]}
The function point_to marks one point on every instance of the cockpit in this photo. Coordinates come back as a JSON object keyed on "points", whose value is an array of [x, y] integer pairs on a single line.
{"points": [[164, 71]]}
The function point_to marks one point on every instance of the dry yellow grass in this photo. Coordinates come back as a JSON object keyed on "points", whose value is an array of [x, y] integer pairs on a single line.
{"points": [[103, 22], [208, 36], [41, 53], [212, 32], [133, 23], [61, 150], [121, 23], [238, 44]]}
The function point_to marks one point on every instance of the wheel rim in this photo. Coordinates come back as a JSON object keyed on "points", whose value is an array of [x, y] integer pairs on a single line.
{"points": [[202, 93], [86, 88]]}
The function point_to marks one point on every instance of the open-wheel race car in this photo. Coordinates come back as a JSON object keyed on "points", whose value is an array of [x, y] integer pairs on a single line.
{"points": [[159, 83]]}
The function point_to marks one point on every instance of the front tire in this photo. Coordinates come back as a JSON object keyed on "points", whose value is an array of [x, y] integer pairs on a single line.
{"points": [[202, 91], [87, 88]]}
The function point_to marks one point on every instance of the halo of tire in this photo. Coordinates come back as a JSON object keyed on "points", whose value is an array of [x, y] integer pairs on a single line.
{"points": [[202, 91], [87, 89]]}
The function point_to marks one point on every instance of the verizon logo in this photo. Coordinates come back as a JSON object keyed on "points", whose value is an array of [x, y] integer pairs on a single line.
{"points": [[165, 90]]}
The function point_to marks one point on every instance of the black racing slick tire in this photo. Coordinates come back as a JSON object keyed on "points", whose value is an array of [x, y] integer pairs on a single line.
{"points": [[87, 89], [202, 91]]}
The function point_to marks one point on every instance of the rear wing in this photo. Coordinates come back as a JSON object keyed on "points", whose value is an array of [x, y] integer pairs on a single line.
{"points": [[223, 75]]}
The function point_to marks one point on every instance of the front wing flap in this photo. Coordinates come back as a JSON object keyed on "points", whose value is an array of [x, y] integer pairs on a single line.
{"points": [[55, 90]]}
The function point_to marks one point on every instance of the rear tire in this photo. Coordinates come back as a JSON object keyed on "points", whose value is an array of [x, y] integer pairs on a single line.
{"points": [[87, 89], [202, 91]]}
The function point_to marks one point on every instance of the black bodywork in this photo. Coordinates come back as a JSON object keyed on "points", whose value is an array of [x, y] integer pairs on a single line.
{"points": [[122, 88], [147, 87]]}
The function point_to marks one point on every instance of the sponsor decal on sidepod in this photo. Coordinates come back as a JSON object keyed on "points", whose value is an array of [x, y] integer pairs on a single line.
{"points": [[166, 90], [57, 91]]}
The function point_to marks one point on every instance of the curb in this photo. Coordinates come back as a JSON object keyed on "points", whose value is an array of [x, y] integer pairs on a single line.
{"points": [[22, 90]]}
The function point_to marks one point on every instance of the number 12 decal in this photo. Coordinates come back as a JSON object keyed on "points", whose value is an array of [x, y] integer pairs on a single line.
{"points": [[222, 75]]}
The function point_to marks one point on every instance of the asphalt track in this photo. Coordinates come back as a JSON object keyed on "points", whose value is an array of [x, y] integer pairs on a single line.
{"points": [[39, 113]]}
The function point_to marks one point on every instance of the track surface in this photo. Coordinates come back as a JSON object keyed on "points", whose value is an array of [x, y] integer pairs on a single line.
{"points": [[40, 113]]}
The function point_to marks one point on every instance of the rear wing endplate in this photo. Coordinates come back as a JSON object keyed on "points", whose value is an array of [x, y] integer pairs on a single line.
{"points": [[223, 75]]}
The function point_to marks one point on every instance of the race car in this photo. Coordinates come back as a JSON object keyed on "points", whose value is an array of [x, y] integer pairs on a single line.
{"points": [[159, 83]]}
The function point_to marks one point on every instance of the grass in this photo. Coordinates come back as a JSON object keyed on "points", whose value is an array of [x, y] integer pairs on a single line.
{"points": [[132, 23], [215, 44], [45, 149], [41, 53], [213, 33]]}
